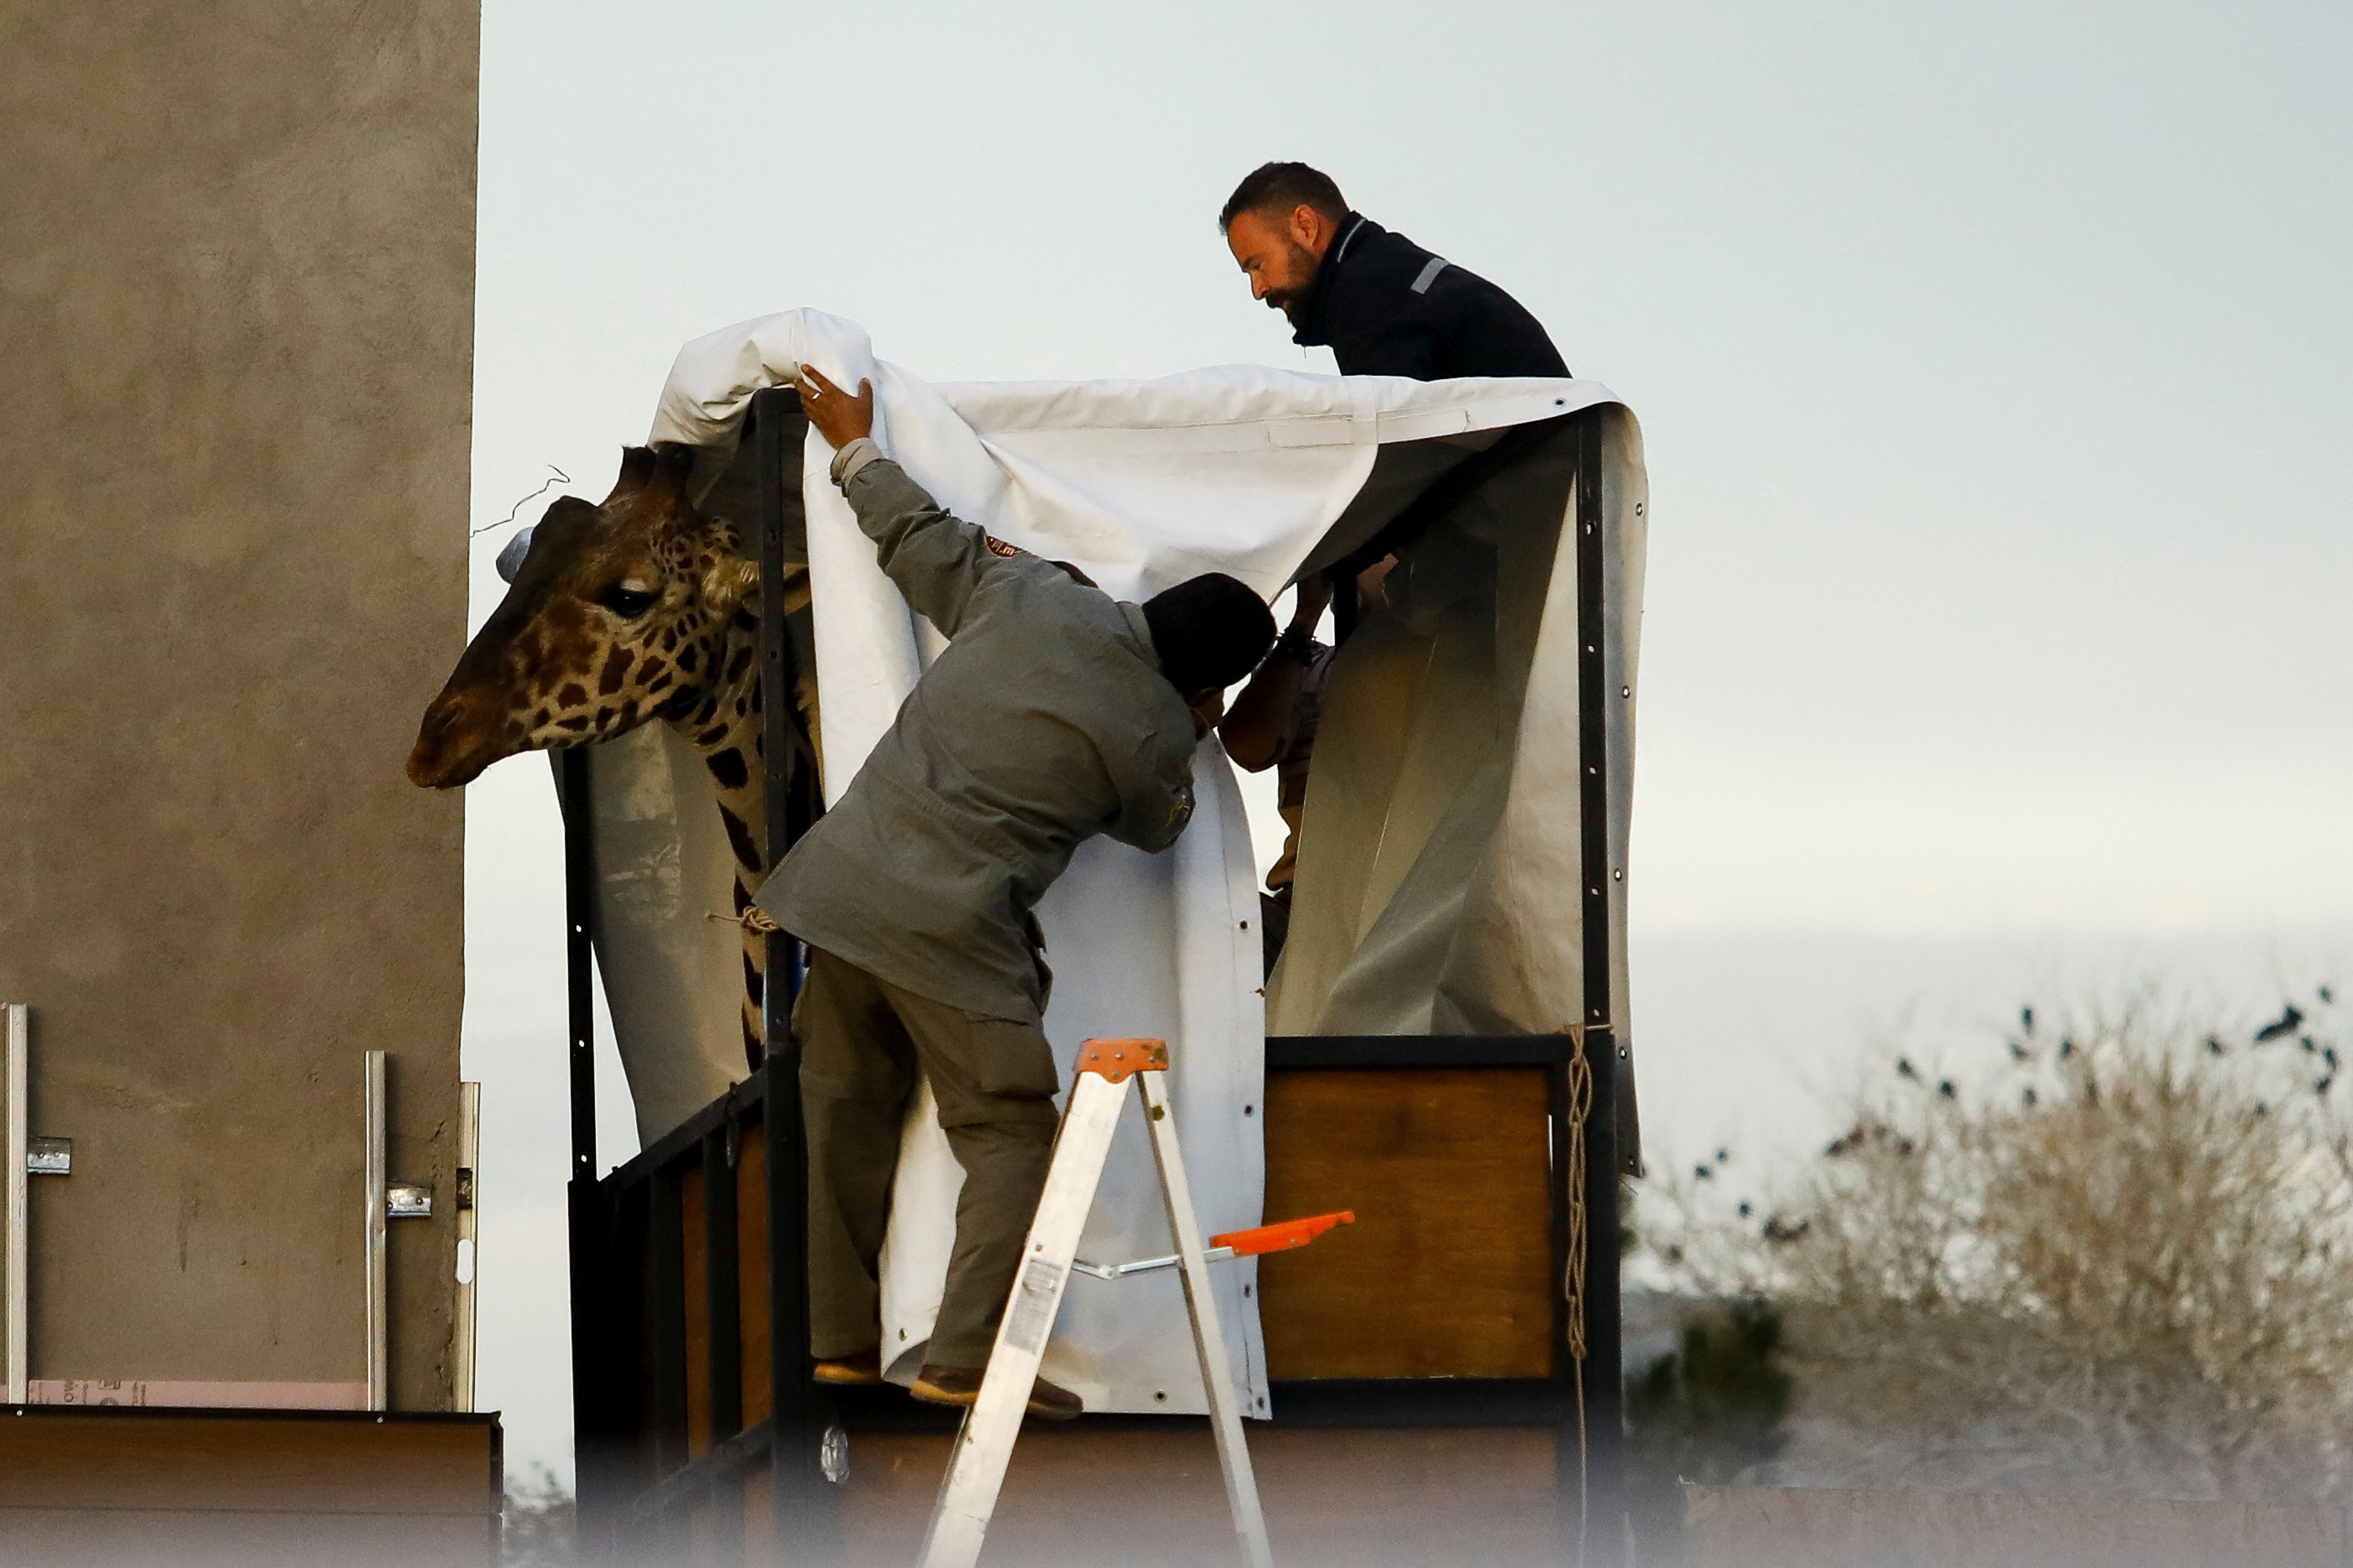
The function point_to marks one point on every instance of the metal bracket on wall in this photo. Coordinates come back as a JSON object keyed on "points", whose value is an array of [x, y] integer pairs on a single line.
{"points": [[377, 1204], [469, 1251], [16, 1073]]}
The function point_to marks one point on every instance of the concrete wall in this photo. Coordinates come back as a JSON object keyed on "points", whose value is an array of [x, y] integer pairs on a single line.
{"points": [[236, 313]]}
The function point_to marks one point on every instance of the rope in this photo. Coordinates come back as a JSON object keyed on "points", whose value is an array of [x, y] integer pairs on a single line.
{"points": [[1580, 1105]]}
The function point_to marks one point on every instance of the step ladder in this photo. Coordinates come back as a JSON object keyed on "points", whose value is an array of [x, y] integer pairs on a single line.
{"points": [[984, 1444]]}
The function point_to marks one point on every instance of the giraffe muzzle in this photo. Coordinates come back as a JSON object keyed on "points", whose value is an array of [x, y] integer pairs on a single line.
{"points": [[454, 743]]}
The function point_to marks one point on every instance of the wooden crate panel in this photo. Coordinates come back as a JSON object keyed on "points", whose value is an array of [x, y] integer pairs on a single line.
{"points": [[695, 1279], [1447, 1271], [140, 1538], [1141, 1498], [751, 1271], [198, 1461], [196, 1489]]}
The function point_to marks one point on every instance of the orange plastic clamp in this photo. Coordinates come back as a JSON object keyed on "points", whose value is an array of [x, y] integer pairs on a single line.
{"points": [[1116, 1059], [1290, 1233]]}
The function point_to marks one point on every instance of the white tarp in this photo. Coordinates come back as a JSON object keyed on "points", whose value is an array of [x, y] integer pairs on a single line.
{"points": [[1141, 484]]}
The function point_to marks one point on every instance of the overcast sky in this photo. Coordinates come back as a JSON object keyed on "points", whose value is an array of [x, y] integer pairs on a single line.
{"points": [[1991, 362]]}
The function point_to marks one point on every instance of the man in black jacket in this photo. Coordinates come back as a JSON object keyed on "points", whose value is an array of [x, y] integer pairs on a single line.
{"points": [[1385, 306]]}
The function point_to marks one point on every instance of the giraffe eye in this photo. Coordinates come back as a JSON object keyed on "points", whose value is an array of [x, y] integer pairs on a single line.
{"points": [[627, 602]]}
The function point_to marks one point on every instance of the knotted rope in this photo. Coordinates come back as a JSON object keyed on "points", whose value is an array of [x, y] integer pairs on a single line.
{"points": [[1579, 1107], [753, 919]]}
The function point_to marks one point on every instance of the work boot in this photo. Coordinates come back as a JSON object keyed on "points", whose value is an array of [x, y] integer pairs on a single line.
{"points": [[860, 1370], [937, 1384]]}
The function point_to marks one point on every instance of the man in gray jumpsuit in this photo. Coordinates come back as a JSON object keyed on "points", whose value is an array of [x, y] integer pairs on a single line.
{"points": [[1056, 714]]}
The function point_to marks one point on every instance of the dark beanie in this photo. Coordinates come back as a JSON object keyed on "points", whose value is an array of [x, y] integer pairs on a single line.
{"points": [[1209, 631]]}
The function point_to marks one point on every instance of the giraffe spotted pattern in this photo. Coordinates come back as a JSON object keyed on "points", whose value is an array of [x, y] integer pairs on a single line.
{"points": [[638, 608]]}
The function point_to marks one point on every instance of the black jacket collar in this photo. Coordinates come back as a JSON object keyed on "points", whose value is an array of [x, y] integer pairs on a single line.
{"points": [[1310, 327]]}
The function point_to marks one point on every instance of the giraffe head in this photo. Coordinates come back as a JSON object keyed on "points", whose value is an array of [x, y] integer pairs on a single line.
{"points": [[621, 613]]}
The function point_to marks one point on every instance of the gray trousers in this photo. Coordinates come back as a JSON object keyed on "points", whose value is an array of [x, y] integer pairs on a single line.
{"points": [[862, 1041]]}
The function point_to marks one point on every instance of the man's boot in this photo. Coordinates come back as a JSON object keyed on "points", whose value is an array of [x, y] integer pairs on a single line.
{"points": [[938, 1385]]}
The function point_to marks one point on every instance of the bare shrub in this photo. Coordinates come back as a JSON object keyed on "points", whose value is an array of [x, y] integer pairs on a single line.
{"points": [[539, 1529], [2121, 1263]]}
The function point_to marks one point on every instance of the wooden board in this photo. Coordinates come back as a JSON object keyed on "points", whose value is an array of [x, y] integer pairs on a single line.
{"points": [[695, 1280], [752, 1271], [203, 1486], [1446, 1272], [1151, 1496]]}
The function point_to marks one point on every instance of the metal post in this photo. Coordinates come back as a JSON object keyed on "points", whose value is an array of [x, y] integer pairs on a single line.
{"points": [[574, 791], [18, 1073], [378, 1301], [776, 420], [1601, 1480], [589, 1222], [469, 1250], [805, 1501]]}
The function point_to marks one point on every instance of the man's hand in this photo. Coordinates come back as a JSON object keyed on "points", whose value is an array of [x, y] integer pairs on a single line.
{"points": [[1314, 598], [838, 418]]}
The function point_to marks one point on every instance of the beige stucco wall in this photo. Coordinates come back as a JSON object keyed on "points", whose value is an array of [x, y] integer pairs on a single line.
{"points": [[236, 319]]}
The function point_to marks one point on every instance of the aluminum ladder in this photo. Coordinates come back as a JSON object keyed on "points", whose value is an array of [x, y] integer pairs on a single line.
{"points": [[983, 1445]]}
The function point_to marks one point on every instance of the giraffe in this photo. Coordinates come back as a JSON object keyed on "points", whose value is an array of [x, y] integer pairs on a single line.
{"points": [[642, 607]]}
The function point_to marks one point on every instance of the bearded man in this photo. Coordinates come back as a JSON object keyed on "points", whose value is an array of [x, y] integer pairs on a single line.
{"points": [[1383, 304]]}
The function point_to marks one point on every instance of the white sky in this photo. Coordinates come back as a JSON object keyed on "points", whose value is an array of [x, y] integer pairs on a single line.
{"points": [[1991, 360]]}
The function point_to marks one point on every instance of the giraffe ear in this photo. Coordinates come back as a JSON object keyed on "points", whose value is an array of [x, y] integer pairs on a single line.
{"points": [[725, 585]]}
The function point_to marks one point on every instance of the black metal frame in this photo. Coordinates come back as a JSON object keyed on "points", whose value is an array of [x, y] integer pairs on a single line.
{"points": [[1603, 1477], [629, 1319]]}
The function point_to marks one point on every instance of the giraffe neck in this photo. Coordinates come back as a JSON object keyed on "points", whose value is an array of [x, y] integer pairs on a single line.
{"points": [[722, 721]]}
